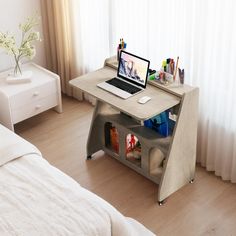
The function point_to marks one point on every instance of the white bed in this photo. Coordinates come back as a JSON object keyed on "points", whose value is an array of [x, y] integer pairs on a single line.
{"points": [[38, 199]]}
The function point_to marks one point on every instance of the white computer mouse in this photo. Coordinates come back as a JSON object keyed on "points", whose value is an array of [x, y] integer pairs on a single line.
{"points": [[144, 99]]}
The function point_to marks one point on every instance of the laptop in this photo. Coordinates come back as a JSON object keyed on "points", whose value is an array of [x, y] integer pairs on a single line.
{"points": [[131, 77]]}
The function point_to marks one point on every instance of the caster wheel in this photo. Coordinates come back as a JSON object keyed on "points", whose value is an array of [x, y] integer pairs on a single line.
{"points": [[89, 157], [191, 181], [160, 203]]}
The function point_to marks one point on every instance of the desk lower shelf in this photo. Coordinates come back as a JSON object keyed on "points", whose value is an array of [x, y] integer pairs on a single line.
{"points": [[155, 178], [150, 143]]}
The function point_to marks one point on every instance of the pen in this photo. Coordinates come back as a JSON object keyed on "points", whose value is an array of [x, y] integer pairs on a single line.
{"points": [[164, 65], [176, 68], [122, 44], [172, 66]]}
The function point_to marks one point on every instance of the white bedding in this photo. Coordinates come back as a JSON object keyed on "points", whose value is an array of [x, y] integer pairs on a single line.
{"points": [[12, 146], [38, 199]]}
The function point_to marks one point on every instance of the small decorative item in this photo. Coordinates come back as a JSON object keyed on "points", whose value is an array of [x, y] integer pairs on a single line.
{"points": [[25, 49], [114, 139], [133, 148]]}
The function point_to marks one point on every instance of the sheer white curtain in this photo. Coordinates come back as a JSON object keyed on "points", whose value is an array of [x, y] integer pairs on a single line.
{"points": [[202, 33]]}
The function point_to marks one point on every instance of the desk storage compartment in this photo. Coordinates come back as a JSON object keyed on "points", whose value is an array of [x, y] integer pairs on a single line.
{"points": [[156, 161], [163, 123], [137, 146]]}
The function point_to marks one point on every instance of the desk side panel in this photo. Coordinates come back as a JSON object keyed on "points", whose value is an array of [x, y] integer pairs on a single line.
{"points": [[181, 162]]}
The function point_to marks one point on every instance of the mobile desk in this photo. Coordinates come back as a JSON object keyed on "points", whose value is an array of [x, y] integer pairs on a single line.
{"points": [[128, 116]]}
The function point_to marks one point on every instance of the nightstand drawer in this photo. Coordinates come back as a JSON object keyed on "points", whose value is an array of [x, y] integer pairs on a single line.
{"points": [[33, 94], [34, 108]]}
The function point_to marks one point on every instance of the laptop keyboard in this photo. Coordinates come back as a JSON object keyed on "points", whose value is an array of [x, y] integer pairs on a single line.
{"points": [[124, 86]]}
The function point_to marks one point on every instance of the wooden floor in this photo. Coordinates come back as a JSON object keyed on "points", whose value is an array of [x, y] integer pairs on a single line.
{"points": [[206, 207]]}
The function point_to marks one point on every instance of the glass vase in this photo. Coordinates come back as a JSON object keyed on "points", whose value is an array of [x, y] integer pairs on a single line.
{"points": [[17, 69]]}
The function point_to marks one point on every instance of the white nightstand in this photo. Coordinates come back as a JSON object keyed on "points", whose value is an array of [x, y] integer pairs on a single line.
{"points": [[21, 101]]}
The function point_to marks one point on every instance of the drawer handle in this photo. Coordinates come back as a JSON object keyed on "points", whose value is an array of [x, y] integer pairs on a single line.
{"points": [[38, 107], [36, 93]]}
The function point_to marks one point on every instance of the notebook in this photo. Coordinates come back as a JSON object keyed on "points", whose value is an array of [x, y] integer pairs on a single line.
{"points": [[131, 77]]}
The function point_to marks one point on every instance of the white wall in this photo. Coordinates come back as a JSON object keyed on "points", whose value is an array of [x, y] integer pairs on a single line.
{"points": [[13, 12]]}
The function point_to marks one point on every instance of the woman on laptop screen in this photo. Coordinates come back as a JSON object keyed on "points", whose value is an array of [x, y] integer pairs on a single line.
{"points": [[133, 68]]}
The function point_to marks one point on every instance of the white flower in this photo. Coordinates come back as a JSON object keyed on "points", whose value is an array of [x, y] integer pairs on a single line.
{"points": [[29, 24], [32, 53], [25, 49], [33, 36], [8, 43]]}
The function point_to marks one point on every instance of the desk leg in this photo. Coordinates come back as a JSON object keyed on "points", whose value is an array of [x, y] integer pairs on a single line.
{"points": [[181, 161], [96, 133], [96, 137], [90, 149]]}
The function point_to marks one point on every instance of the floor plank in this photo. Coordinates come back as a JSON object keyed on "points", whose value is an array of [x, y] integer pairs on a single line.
{"points": [[206, 207]]}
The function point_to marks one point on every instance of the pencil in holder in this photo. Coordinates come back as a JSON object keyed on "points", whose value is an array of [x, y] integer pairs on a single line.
{"points": [[122, 46]]}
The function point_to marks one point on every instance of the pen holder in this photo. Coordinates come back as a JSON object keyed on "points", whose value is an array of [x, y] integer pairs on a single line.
{"points": [[164, 77], [118, 53], [119, 48]]}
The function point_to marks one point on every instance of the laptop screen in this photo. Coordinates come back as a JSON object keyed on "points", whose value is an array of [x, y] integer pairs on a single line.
{"points": [[133, 69]]}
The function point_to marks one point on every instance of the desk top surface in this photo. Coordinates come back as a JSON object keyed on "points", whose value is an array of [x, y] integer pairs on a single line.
{"points": [[160, 100]]}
